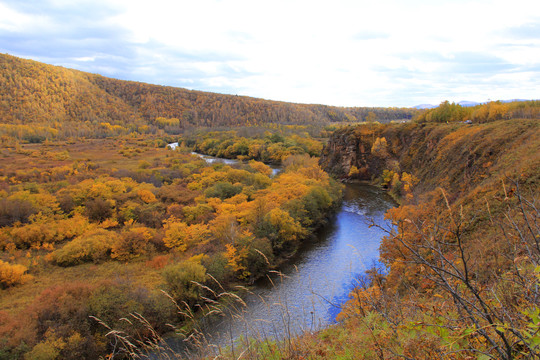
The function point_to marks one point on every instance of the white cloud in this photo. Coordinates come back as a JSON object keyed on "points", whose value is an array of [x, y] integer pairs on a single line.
{"points": [[12, 20], [354, 53]]}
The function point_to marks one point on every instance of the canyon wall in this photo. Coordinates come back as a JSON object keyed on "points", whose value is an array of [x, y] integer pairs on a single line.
{"points": [[453, 156]]}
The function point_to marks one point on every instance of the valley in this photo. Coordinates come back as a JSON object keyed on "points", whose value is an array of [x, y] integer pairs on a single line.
{"points": [[327, 233]]}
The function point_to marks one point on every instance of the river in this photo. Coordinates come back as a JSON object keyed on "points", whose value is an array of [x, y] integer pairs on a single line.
{"points": [[317, 282], [212, 159]]}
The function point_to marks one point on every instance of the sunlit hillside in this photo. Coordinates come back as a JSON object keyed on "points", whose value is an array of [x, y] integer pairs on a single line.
{"points": [[60, 103]]}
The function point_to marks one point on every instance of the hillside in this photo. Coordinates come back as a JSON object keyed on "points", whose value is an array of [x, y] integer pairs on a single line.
{"points": [[67, 102], [462, 257]]}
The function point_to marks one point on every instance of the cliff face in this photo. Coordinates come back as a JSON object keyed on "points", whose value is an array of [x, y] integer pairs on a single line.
{"points": [[350, 147], [456, 157]]}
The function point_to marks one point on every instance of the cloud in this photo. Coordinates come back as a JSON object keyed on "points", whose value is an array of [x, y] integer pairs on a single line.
{"points": [[64, 32], [468, 63], [348, 52], [84, 36], [371, 35], [479, 64], [523, 32]]}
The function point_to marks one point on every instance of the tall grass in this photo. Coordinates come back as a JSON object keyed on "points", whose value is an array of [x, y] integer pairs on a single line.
{"points": [[198, 338]]}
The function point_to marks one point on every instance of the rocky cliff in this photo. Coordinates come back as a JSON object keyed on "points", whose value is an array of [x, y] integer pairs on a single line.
{"points": [[456, 157], [351, 146]]}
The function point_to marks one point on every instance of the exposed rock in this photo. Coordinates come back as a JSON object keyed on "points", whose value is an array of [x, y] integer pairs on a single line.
{"points": [[349, 147], [455, 157]]}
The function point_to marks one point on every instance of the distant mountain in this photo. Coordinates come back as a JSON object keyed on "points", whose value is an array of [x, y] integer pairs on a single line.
{"points": [[513, 100], [424, 106], [463, 103], [466, 103], [36, 93]]}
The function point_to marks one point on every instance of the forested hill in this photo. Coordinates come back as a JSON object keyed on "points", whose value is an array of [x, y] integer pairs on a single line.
{"points": [[33, 92]]}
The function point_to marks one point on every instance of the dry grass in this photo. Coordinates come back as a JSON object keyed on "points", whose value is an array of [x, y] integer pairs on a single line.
{"points": [[196, 341], [104, 152], [15, 299]]}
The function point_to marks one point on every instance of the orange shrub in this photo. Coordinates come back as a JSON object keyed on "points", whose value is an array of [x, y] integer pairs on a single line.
{"points": [[132, 243]]}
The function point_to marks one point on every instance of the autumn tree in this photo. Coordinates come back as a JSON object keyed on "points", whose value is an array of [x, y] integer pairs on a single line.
{"points": [[380, 148], [429, 249]]}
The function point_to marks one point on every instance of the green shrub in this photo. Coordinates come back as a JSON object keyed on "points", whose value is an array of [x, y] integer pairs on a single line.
{"points": [[223, 190], [180, 278], [93, 246], [217, 266]]}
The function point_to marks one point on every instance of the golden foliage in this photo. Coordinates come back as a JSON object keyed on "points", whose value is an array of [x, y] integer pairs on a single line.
{"points": [[132, 243], [175, 234], [93, 246], [236, 259], [12, 274], [380, 148], [63, 103], [146, 196]]}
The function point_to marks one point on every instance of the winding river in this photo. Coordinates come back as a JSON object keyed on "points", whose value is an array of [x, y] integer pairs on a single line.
{"points": [[308, 294]]}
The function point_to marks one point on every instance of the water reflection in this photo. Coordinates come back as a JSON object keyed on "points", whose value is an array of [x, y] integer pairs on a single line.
{"points": [[309, 294]]}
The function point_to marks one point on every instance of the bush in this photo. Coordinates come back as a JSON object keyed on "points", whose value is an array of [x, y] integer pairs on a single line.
{"points": [[60, 315], [93, 246], [113, 301], [223, 190], [132, 243], [282, 230], [11, 275], [180, 278], [151, 215], [32, 234], [98, 209], [217, 266], [15, 210], [259, 257]]}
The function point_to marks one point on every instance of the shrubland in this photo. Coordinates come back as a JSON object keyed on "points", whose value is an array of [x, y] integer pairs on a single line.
{"points": [[101, 233], [267, 144]]}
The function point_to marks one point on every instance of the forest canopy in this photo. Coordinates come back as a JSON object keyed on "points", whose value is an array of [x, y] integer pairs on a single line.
{"points": [[40, 101]]}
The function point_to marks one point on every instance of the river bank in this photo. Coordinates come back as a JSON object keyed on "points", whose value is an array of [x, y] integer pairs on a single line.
{"points": [[307, 292]]}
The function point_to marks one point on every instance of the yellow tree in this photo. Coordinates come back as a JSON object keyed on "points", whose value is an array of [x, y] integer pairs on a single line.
{"points": [[380, 148], [175, 234], [236, 260]]}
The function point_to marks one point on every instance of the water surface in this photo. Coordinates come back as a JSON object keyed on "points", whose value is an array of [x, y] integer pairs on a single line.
{"points": [[310, 291], [318, 281]]}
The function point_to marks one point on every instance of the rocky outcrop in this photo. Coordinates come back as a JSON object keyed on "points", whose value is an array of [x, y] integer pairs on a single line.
{"points": [[456, 156], [350, 147]]}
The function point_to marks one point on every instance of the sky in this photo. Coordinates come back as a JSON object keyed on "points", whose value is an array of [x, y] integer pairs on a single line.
{"points": [[344, 53]]}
